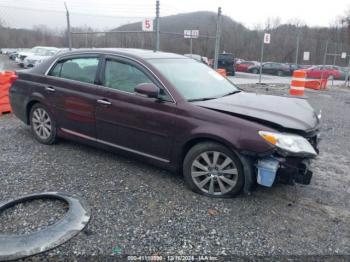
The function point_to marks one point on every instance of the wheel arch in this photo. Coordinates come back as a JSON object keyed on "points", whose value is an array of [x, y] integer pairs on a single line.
{"points": [[29, 107], [201, 139]]}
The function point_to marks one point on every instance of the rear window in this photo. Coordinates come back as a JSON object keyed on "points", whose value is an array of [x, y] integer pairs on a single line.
{"points": [[226, 57]]}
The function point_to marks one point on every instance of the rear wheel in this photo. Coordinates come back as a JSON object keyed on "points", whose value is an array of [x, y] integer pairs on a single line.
{"points": [[213, 170], [42, 124]]}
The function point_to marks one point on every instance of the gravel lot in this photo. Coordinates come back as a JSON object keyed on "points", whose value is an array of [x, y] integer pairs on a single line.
{"points": [[140, 209]]}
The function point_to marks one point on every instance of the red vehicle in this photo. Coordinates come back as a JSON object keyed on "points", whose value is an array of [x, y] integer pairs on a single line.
{"points": [[244, 66], [322, 72]]}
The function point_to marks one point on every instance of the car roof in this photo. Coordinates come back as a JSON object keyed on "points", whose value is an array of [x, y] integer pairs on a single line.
{"points": [[141, 53]]}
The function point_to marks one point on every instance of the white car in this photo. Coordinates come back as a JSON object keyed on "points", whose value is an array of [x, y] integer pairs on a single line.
{"points": [[39, 56], [37, 50]]}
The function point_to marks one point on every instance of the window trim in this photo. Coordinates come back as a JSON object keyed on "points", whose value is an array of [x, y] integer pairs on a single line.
{"points": [[71, 57], [144, 69], [102, 56]]}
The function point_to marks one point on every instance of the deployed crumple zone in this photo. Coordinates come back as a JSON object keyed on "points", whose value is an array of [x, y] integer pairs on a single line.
{"points": [[19, 246]]}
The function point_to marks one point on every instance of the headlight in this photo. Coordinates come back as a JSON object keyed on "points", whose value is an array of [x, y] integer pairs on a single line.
{"points": [[289, 143]]}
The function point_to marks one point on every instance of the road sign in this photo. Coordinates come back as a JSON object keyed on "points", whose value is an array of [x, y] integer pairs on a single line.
{"points": [[195, 33], [343, 55], [147, 24], [306, 56], [267, 38], [191, 33]]}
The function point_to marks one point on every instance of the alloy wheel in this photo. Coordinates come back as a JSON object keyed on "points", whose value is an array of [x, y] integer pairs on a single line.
{"points": [[214, 173], [42, 124]]}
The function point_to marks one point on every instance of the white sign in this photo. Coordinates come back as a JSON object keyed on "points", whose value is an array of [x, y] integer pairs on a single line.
{"points": [[343, 55], [147, 24], [306, 56], [191, 33], [267, 38]]}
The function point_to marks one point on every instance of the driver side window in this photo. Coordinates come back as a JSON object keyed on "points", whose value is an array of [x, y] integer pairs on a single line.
{"points": [[125, 77]]}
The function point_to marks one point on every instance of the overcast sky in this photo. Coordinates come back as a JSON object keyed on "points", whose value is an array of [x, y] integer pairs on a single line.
{"points": [[105, 14]]}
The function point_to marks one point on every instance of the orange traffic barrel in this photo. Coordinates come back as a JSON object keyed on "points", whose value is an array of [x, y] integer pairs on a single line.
{"points": [[6, 79], [221, 71], [313, 84], [297, 85]]}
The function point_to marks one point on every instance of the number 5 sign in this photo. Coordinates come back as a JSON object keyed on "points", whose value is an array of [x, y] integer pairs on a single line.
{"points": [[147, 24]]}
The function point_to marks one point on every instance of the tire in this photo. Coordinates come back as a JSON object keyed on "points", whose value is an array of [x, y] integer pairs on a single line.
{"points": [[255, 71], [209, 180], [279, 73], [42, 124]]}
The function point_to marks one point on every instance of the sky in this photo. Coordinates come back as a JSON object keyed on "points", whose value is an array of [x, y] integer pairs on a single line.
{"points": [[107, 14]]}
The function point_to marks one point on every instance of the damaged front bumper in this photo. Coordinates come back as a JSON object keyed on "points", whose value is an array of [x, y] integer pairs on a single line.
{"points": [[286, 168], [294, 170]]}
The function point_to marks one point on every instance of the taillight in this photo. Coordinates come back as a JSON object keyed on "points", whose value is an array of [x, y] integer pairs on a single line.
{"points": [[13, 78]]}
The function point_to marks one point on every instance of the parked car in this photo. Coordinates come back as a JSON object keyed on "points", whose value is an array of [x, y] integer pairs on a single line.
{"points": [[198, 58], [39, 56], [227, 62], [244, 66], [171, 111], [12, 54], [344, 72], [327, 71], [239, 60], [37, 50], [273, 68]]}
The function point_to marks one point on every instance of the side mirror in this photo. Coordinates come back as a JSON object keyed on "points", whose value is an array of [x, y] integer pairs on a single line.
{"points": [[147, 89]]}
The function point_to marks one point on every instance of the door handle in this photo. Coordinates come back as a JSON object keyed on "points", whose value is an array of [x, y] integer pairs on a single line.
{"points": [[104, 102], [50, 89]]}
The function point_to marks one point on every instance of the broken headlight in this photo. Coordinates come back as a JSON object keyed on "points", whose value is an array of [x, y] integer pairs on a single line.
{"points": [[289, 143]]}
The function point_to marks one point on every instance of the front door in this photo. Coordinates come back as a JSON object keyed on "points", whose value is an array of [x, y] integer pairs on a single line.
{"points": [[132, 122]]}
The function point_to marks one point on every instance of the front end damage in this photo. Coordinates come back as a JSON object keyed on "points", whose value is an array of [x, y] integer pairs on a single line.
{"points": [[286, 170], [279, 167]]}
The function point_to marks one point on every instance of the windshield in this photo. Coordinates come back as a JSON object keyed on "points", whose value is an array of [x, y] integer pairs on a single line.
{"points": [[194, 81]]}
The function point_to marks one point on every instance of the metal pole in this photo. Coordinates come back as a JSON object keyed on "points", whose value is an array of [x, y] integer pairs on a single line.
{"points": [[297, 49], [261, 57], [217, 39], [191, 44], [68, 28], [324, 59], [157, 25], [347, 73]]}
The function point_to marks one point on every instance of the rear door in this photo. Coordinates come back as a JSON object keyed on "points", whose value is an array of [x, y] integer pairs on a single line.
{"points": [[132, 122], [71, 89]]}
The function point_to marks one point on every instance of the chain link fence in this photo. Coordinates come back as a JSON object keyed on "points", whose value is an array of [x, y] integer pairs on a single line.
{"points": [[288, 42]]}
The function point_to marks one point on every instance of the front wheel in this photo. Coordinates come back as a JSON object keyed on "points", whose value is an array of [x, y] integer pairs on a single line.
{"points": [[213, 170], [255, 71], [279, 73], [42, 124]]}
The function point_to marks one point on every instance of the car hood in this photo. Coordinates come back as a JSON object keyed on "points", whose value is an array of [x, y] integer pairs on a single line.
{"points": [[286, 112]]}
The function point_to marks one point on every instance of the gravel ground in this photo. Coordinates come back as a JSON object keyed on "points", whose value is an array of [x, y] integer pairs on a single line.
{"points": [[139, 209]]}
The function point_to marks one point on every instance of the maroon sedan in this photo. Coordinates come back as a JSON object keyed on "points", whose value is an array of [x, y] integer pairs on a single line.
{"points": [[171, 111]]}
